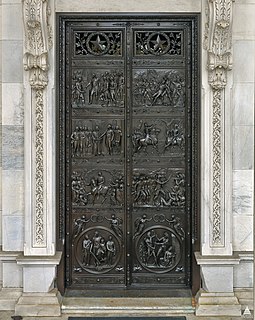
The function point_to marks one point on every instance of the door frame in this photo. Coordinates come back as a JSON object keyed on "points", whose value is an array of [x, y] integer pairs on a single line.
{"points": [[61, 20]]}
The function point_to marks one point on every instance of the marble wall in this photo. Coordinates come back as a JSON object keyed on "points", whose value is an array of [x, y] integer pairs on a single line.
{"points": [[243, 123], [12, 126], [0, 138]]}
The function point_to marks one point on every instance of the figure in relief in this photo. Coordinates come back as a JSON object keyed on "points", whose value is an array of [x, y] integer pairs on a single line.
{"points": [[96, 141], [78, 91], [176, 223], [94, 89], [175, 137], [147, 137], [98, 188], [86, 250], [116, 223], [79, 225], [140, 225], [111, 250]]}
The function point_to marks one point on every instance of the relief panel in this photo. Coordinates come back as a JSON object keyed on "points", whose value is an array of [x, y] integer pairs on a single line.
{"points": [[97, 188], [97, 88], [158, 88]]}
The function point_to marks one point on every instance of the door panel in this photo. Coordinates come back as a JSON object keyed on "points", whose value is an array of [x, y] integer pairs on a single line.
{"points": [[127, 157]]}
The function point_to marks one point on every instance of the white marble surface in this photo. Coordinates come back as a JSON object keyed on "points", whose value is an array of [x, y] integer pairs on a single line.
{"points": [[243, 275], [0, 20], [243, 60], [12, 275], [12, 61], [13, 233], [243, 104], [243, 192], [1, 54], [13, 192], [242, 233], [13, 104], [12, 13], [8, 299], [13, 147], [128, 6], [217, 305], [217, 278], [1, 237], [38, 305], [244, 19], [243, 151], [1, 266], [38, 278], [1, 203], [10, 1]]}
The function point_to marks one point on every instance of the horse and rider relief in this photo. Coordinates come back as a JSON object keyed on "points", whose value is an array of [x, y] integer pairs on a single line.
{"points": [[158, 137], [97, 188]]}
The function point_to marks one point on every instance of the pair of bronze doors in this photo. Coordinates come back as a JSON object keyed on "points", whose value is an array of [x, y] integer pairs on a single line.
{"points": [[128, 120]]}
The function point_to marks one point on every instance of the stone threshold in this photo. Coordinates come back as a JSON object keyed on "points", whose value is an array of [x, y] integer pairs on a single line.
{"points": [[126, 306]]}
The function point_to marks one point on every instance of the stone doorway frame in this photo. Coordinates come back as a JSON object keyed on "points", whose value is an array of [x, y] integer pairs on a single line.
{"points": [[216, 253]]}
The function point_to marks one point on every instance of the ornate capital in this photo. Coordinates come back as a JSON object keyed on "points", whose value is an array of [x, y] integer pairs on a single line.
{"points": [[218, 41], [38, 40]]}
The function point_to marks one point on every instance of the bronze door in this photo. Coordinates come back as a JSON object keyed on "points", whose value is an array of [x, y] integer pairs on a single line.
{"points": [[128, 88]]}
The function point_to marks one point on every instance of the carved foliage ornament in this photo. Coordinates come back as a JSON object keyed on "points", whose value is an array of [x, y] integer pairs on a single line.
{"points": [[38, 40], [218, 43]]}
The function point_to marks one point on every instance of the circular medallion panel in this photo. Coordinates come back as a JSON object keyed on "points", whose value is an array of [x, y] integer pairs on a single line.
{"points": [[159, 249], [98, 250], [98, 43], [158, 43]]}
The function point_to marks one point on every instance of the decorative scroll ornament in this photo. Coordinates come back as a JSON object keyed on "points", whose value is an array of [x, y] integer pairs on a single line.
{"points": [[218, 43], [38, 41]]}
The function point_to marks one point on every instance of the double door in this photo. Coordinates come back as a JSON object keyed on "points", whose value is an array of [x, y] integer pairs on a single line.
{"points": [[128, 87]]}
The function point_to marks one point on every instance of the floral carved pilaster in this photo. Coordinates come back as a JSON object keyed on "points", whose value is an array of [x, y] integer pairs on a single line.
{"points": [[218, 43], [38, 41]]}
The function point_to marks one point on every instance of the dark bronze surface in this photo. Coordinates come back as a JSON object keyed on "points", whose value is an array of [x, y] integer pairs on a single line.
{"points": [[128, 150]]}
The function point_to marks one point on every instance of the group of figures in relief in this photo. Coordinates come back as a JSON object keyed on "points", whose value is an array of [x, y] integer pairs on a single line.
{"points": [[146, 135], [152, 189], [156, 250], [106, 89], [95, 142], [154, 88], [98, 251], [95, 190], [86, 141], [147, 189]]}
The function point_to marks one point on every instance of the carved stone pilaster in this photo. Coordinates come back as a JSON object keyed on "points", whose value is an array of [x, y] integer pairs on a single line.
{"points": [[218, 43], [37, 43]]}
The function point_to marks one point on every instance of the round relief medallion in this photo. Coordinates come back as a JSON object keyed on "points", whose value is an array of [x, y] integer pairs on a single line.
{"points": [[158, 249], [98, 43], [158, 43], [98, 250]]}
